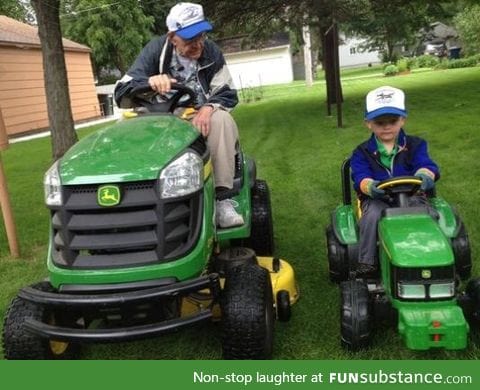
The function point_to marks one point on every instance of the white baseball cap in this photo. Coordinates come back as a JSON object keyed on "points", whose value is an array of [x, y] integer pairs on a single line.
{"points": [[385, 101], [187, 20]]}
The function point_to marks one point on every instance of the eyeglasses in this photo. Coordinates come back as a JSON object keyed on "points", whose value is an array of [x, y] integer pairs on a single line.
{"points": [[195, 40], [386, 120]]}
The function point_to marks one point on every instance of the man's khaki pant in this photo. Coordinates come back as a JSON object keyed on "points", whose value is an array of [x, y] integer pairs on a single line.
{"points": [[222, 141]]}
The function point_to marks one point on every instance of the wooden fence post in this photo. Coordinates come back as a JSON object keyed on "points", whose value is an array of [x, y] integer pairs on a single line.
{"points": [[4, 197]]}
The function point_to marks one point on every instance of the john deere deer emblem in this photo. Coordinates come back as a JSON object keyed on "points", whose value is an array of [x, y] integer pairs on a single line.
{"points": [[108, 195]]}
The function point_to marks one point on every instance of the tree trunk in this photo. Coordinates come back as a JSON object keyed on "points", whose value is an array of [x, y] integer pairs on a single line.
{"points": [[55, 74]]}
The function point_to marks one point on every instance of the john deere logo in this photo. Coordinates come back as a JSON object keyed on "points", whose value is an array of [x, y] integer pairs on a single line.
{"points": [[108, 195], [426, 274]]}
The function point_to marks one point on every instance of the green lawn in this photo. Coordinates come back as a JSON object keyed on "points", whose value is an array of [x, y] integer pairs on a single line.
{"points": [[298, 150]]}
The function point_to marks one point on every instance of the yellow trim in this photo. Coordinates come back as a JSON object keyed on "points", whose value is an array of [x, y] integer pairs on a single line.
{"points": [[129, 114], [398, 182], [207, 169], [284, 279], [358, 208], [58, 347]]}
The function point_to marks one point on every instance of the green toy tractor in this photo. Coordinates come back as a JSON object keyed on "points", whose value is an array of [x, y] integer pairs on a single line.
{"points": [[134, 249], [422, 257]]}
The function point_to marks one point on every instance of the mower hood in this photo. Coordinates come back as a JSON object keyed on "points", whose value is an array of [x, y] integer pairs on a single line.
{"points": [[415, 240], [130, 150]]}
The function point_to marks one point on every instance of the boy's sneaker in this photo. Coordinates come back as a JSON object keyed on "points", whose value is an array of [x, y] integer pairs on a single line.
{"points": [[227, 215]]}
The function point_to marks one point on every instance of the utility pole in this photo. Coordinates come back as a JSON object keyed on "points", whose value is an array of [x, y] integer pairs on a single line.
{"points": [[4, 197]]}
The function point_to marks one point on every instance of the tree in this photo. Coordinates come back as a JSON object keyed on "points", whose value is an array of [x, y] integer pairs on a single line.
{"points": [[12, 9], [386, 24], [55, 74], [115, 31], [158, 10], [467, 23]]}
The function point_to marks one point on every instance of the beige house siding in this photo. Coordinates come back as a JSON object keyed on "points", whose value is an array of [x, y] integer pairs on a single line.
{"points": [[22, 90]]}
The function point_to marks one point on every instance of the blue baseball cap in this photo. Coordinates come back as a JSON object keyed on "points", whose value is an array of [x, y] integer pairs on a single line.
{"points": [[385, 101], [187, 20]]}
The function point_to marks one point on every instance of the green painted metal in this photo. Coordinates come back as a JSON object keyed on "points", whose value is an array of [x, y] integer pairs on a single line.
{"points": [[446, 220], [426, 325], [346, 224], [185, 268], [130, 150], [414, 240]]}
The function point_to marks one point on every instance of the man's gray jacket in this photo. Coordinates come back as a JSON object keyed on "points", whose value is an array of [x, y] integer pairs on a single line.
{"points": [[155, 59]]}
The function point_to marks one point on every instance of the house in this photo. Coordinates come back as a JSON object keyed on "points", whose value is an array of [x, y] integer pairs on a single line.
{"points": [[252, 66], [22, 92], [351, 52]]}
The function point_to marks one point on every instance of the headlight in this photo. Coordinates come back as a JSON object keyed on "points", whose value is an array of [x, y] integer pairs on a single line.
{"points": [[411, 291], [442, 290], [52, 185], [182, 176]]}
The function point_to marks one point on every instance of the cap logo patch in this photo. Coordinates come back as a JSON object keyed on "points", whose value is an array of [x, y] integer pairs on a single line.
{"points": [[384, 98]]}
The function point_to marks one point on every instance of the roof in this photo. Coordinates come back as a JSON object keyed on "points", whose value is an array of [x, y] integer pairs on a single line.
{"points": [[15, 33], [241, 43]]}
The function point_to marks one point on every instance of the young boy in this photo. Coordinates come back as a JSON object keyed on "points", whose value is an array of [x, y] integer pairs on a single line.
{"points": [[388, 153]]}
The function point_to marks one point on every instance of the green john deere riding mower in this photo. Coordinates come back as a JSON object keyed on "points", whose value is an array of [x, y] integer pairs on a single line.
{"points": [[423, 254], [134, 250]]}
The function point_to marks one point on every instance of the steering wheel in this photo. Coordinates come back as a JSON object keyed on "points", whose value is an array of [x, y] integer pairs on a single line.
{"points": [[400, 188], [145, 96]]}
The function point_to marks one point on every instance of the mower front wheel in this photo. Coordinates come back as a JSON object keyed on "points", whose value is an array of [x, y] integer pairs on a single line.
{"points": [[19, 344], [247, 313], [355, 315]]}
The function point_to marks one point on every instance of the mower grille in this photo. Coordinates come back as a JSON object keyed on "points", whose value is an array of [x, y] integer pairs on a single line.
{"points": [[142, 229]]}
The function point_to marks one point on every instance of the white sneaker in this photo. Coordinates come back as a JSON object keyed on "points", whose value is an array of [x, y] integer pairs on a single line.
{"points": [[226, 214]]}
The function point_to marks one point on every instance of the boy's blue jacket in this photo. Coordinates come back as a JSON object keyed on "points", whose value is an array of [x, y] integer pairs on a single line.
{"points": [[411, 156]]}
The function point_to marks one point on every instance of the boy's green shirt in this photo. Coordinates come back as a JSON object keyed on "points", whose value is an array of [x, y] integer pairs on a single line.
{"points": [[386, 157]]}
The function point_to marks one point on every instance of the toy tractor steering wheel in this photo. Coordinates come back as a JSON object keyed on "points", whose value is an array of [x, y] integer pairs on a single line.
{"points": [[400, 188], [145, 96]]}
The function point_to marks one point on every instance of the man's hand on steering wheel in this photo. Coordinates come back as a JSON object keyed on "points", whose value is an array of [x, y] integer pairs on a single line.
{"points": [[161, 83]]}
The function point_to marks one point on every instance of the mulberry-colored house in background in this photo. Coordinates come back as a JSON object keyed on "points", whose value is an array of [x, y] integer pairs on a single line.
{"points": [[22, 92]]}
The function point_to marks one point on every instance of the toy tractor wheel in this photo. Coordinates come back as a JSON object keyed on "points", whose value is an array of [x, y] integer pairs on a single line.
{"points": [[19, 344], [461, 249], [473, 292], [337, 257], [261, 237], [355, 315], [284, 310], [247, 314]]}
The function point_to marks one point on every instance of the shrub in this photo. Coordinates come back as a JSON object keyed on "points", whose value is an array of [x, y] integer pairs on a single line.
{"points": [[390, 70], [402, 65], [427, 61]]}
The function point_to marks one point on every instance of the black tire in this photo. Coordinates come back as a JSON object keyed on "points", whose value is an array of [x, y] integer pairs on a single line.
{"points": [[284, 310], [261, 236], [461, 249], [473, 314], [19, 344], [337, 253], [247, 314], [355, 315]]}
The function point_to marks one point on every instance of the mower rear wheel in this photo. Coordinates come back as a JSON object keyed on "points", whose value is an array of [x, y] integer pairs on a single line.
{"points": [[337, 254], [261, 236], [355, 315], [19, 344], [247, 313]]}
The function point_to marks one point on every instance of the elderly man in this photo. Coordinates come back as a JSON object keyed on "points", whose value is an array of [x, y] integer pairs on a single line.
{"points": [[184, 55]]}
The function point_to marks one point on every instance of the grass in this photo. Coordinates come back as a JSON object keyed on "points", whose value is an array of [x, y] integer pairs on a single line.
{"points": [[298, 150]]}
